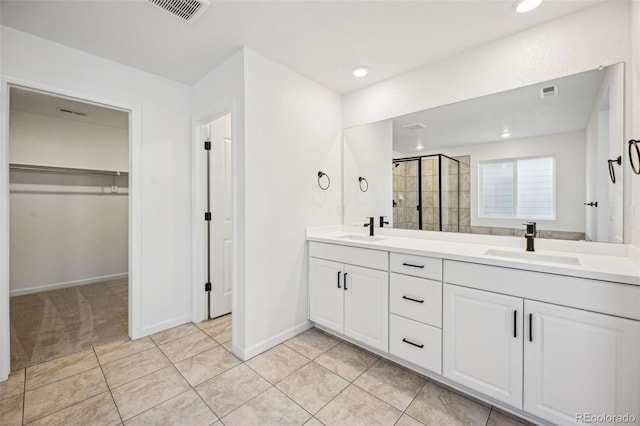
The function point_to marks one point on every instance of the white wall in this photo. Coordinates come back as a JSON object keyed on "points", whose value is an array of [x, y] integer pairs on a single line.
{"points": [[59, 238], [161, 179], [218, 93], [582, 41], [368, 153], [293, 130], [569, 151]]}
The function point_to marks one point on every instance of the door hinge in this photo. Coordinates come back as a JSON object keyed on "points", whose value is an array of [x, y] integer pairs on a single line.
{"points": [[207, 145], [207, 216], [207, 286]]}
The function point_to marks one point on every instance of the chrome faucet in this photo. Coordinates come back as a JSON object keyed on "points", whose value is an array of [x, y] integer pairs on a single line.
{"points": [[370, 225], [530, 234], [383, 222]]}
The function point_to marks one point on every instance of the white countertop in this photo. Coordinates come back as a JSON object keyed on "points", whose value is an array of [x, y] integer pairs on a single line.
{"points": [[602, 261]]}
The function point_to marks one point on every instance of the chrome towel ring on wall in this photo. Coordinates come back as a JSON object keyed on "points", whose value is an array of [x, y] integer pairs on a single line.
{"points": [[320, 176], [612, 172], [363, 184], [634, 153]]}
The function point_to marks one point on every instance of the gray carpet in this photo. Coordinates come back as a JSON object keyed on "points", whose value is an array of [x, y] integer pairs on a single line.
{"points": [[55, 323]]}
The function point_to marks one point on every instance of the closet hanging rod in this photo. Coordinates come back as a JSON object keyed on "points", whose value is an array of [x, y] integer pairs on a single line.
{"points": [[63, 170]]}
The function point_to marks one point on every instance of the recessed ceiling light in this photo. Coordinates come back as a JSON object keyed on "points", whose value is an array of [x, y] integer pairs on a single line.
{"points": [[505, 134], [360, 71], [419, 146], [523, 6]]}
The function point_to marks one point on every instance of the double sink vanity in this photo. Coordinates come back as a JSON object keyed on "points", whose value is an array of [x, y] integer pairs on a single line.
{"points": [[551, 335]]}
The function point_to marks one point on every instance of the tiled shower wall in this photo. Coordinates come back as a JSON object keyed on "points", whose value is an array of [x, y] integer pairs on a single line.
{"points": [[405, 194]]}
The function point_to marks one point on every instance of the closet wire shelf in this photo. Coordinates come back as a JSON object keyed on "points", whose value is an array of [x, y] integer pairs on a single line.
{"points": [[63, 170]]}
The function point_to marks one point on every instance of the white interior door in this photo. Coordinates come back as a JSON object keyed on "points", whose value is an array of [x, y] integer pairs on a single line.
{"points": [[222, 216]]}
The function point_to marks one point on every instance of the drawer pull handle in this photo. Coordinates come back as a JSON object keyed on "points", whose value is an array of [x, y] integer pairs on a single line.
{"points": [[344, 280], [339, 273], [515, 324], [413, 266], [412, 299], [531, 327], [413, 344]]}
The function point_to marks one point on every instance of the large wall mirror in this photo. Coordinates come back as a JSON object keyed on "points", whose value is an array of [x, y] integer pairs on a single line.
{"points": [[546, 153]]}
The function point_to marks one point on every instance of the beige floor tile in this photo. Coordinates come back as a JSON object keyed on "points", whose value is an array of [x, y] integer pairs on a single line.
{"points": [[500, 418], [313, 422], [312, 343], [312, 386], [134, 366], [55, 396], [13, 386], [60, 368], [97, 411], [135, 397], [392, 384], [437, 405], [187, 346], [220, 332], [271, 407], [229, 390], [174, 333], [227, 346], [408, 421], [355, 407], [205, 325], [184, 409], [347, 360], [122, 348], [11, 411], [206, 365], [277, 363]]}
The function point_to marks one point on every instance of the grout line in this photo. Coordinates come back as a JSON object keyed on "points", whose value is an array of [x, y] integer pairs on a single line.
{"points": [[108, 387], [24, 394], [489, 416]]}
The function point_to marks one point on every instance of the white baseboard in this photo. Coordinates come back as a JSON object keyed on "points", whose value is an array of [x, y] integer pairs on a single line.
{"points": [[267, 344], [164, 325], [66, 284]]}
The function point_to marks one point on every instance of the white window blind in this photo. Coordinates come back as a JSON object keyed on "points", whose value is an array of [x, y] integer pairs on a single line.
{"points": [[518, 188]]}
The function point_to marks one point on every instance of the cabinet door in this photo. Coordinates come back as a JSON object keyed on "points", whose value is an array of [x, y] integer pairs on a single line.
{"points": [[366, 302], [482, 342], [580, 362], [326, 298]]}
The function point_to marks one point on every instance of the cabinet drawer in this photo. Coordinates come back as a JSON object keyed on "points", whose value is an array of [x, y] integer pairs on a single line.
{"points": [[374, 259], [415, 342], [419, 266], [416, 298]]}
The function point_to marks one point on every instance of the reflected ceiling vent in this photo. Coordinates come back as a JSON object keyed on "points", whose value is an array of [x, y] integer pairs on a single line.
{"points": [[68, 111], [415, 126], [187, 10], [549, 92]]}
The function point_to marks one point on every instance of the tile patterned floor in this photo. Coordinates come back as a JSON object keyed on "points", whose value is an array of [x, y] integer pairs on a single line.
{"points": [[187, 376]]}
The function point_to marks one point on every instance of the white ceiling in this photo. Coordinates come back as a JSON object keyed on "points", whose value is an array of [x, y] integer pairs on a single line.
{"points": [[322, 40], [43, 104], [521, 111]]}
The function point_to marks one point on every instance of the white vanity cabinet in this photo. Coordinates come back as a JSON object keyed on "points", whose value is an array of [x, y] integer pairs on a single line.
{"points": [[482, 342], [552, 361], [349, 292]]}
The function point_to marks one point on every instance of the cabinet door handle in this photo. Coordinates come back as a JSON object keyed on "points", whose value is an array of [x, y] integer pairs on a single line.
{"points": [[515, 324], [413, 344], [412, 299], [531, 327], [413, 266], [344, 280], [339, 273]]}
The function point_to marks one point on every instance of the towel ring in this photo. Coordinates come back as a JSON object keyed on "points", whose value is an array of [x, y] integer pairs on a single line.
{"points": [[635, 167], [320, 176], [361, 184], [612, 172]]}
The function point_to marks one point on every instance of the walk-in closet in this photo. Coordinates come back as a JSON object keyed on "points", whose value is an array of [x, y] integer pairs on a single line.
{"points": [[69, 220]]}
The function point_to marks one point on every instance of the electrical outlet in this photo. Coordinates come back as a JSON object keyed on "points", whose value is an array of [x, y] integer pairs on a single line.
{"points": [[114, 189]]}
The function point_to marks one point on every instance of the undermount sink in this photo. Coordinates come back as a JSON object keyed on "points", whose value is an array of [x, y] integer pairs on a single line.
{"points": [[536, 257], [356, 237]]}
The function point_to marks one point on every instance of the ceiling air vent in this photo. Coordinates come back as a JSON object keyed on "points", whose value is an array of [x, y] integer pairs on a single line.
{"points": [[188, 10], [68, 111], [415, 126], [548, 92]]}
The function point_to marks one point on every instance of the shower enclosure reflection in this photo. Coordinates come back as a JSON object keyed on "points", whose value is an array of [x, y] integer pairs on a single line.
{"points": [[426, 193]]}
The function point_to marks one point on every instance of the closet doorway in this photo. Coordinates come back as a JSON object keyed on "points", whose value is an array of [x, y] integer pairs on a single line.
{"points": [[68, 226]]}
